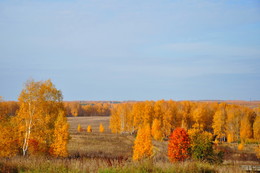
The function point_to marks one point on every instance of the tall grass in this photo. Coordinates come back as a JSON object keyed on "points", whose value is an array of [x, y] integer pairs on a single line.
{"points": [[50, 165]]}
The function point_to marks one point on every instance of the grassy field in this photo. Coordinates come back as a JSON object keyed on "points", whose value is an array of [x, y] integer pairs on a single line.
{"points": [[107, 152]]}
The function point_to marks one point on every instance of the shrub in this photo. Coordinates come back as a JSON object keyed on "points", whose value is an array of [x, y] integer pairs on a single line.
{"points": [[240, 147], [202, 147], [79, 128], [178, 147], [201, 144], [101, 128], [89, 129]]}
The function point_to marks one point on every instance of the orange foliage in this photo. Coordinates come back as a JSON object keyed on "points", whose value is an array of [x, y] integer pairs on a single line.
{"points": [[156, 130], [89, 129], [178, 146], [8, 138], [61, 135], [241, 146], [219, 123], [82, 108], [101, 128], [256, 128], [40, 105], [246, 130], [227, 121], [79, 129], [143, 144]]}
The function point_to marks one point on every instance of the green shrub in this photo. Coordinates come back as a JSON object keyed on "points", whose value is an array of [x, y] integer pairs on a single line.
{"points": [[202, 147]]}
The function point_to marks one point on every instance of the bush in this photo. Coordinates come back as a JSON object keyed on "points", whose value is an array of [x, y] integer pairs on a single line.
{"points": [[201, 144], [178, 147], [89, 129], [202, 147], [240, 147]]}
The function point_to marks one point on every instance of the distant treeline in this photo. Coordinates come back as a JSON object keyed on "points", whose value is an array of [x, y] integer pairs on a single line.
{"points": [[8, 107], [73, 108], [79, 108]]}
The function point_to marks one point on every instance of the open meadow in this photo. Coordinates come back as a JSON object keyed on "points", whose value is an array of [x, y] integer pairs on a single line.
{"points": [[108, 152]]}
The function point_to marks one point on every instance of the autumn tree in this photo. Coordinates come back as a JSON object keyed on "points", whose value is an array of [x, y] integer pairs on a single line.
{"points": [[233, 123], [185, 109], [156, 130], [178, 146], [170, 119], [40, 104], [148, 112], [138, 114], [101, 128], [59, 146], [143, 144], [246, 130], [89, 129], [219, 123], [115, 121], [79, 128], [199, 116], [121, 118], [256, 127], [8, 136], [3, 110]]}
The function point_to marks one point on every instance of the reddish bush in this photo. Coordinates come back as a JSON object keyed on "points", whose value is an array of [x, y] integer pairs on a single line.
{"points": [[179, 144]]}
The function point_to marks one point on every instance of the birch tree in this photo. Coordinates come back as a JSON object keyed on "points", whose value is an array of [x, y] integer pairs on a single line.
{"points": [[40, 103]]}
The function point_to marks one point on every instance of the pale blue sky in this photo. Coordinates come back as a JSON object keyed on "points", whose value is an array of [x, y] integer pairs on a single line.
{"points": [[132, 50]]}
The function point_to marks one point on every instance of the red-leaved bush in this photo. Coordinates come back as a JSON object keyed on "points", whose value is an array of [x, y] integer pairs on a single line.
{"points": [[178, 146]]}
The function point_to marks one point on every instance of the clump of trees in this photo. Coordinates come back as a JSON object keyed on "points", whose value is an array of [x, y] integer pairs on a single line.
{"points": [[40, 123], [205, 123], [228, 122]]}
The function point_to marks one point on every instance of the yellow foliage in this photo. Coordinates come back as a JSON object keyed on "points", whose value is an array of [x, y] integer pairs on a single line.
{"points": [[230, 121], [156, 130], [89, 129], [8, 136], [115, 120], [256, 128], [40, 104], [230, 137], [61, 137], [101, 128], [246, 129], [143, 144], [219, 123], [199, 115], [240, 147], [79, 128]]}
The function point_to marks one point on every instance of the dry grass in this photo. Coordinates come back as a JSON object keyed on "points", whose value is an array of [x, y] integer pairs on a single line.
{"points": [[96, 144], [107, 152]]}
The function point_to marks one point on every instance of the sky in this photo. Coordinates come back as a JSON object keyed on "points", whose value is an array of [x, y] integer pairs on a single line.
{"points": [[132, 49]]}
